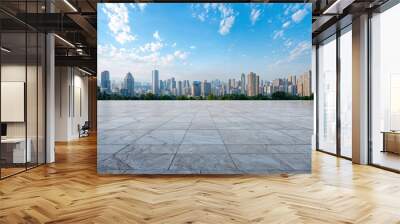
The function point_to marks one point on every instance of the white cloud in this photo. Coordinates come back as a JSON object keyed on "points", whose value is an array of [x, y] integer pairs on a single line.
{"points": [[181, 55], [118, 22], [291, 8], [151, 47], [226, 13], [288, 43], [299, 50], [254, 15], [168, 59], [173, 45], [225, 10], [278, 34], [156, 35], [299, 15], [142, 6], [227, 18], [192, 47], [286, 24], [225, 25], [117, 58], [202, 17]]}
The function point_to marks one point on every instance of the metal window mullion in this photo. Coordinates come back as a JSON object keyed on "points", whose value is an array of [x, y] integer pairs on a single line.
{"points": [[317, 97], [369, 95], [26, 87], [37, 91], [338, 98]]}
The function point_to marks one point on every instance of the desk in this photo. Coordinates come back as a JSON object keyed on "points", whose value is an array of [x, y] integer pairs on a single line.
{"points": [[18, 149], [391, 141]]}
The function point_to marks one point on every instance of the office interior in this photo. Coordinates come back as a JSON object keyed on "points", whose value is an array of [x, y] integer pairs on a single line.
{"points": [[357, 106], [48, 79], [44, 96]]}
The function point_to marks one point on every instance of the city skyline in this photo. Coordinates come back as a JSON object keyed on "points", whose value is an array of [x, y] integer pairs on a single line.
{"points": [[203, 41], [246, 84]]}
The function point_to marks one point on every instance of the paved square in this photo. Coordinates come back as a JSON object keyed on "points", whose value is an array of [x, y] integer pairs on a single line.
{"points": [[210, 137]]}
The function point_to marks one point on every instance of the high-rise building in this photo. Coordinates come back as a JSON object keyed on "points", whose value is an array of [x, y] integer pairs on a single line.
{"points": [[292, 79], [205, 88], [128, 86], [105, 82], [243, 84], [162, 86], [186, 88], [196, 88], [229, 86], [307, 84], [277, 85], [251, 84], [179, 89], [257, 85], [155, 82], [173, 83], [304, 85], [292, 90], [115, 87]]}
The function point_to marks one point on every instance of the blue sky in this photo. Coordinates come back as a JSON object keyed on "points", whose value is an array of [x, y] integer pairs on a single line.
{"points": [[203, 41]]}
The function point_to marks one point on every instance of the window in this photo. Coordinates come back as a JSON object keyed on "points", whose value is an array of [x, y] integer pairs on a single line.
{"points": [[327, 95], [346, 92], [385, 89]]}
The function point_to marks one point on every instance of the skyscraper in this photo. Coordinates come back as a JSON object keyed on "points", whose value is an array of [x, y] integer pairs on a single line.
{"points": [[243, 84], [229, 89], [292, 79], [105, 82], [304, 84], [251, 84], [292, 85], [173, 83], [205, 88], [277, 85], [257, 85], [155, 82], [307, 84], [196, 90], [128, 87], [179, 91]]}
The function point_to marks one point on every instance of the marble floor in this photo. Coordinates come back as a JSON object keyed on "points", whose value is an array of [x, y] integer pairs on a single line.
{"points": [[210, 137]]}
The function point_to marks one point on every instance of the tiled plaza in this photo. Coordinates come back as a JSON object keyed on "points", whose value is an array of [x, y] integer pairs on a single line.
{"points": [[211, 137]]}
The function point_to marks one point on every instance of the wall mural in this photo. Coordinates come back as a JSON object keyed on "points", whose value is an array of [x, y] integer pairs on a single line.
{"points": [[213, 88]]}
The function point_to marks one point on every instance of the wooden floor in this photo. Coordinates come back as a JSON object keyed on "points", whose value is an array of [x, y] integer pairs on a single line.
{"points": [[70, 191]]}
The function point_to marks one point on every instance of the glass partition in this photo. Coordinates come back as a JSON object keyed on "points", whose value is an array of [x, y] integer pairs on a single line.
{"points": [[13, 94], [22, 77]]}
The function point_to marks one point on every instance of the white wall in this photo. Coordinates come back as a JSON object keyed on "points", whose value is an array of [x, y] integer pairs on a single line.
{"points": [[33, 126], [71, 87]]}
